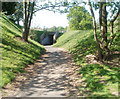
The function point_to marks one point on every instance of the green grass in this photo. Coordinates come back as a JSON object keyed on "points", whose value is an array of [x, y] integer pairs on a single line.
{"points": [[79, 44], [101, 79], [16, 54]]}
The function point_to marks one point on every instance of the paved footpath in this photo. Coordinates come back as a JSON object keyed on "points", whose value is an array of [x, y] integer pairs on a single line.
{"points": [[55, 76]]}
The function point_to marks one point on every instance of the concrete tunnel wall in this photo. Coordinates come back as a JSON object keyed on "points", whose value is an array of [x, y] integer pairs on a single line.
{"points": [[50, 38]]}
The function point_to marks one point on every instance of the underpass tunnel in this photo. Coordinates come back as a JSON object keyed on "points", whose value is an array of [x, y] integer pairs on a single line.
{"points": [[48, 40]]}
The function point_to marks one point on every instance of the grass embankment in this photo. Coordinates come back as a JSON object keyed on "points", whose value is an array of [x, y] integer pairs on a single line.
{"points": [[16, 54], [101, 79]]}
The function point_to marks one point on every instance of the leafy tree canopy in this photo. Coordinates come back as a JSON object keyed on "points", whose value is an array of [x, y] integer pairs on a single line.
{"points": [[8, 7], [58, 29], [79, 18]]}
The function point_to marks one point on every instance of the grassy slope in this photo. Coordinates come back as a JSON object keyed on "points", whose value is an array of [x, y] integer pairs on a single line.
{"points": [[16, 54], [101, 80]]}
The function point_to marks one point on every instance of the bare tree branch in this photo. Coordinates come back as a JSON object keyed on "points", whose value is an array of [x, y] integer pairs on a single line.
{"points": [[115, 16]]}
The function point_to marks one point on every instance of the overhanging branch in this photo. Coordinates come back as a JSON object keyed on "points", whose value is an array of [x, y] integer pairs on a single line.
{"points": [[54, 6]]}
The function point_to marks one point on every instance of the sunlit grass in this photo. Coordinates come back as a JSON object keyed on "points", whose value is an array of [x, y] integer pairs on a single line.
{"points": [[16, 54], [101, 79]]}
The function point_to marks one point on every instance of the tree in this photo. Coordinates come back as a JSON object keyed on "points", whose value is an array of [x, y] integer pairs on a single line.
{"points": [[104, 40], [79, 18], [112, 20], [57, 29], [18, 14], [13, 10], [95, 32], [8, 7], [28, 14], [30, 8], [103, 28]]}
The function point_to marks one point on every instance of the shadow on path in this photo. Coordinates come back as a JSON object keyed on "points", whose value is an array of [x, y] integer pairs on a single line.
{"points": [[50, 78]]}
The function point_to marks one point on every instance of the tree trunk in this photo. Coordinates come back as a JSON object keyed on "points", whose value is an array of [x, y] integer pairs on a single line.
{"points": [[103, 29], [100, 16], [113, 20], [27, 19], [112, 27], [100, 56], [104, 22], [119, 23], [18, 23], [25, 35], [30, 16]]}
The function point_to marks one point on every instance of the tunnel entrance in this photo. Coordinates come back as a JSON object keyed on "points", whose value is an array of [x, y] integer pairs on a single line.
{"points": [[48, 40]]}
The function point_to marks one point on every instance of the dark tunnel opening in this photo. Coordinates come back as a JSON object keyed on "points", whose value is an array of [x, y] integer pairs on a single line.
{"points": [[48, 40]]}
